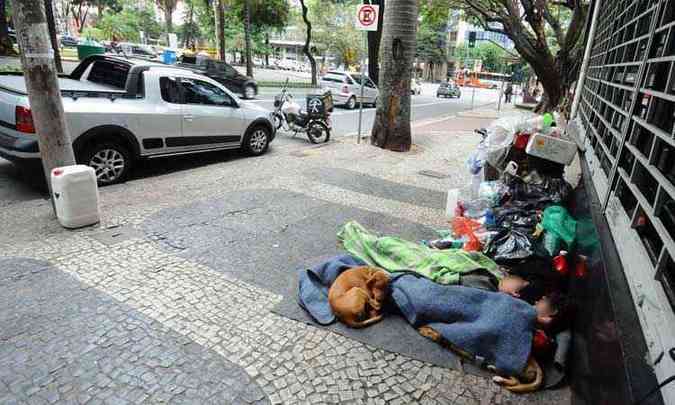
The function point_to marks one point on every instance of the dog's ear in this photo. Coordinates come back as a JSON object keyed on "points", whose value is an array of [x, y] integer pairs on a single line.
{"points": [[371, 280]]}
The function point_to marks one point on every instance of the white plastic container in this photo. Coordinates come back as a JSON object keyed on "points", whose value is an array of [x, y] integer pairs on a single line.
{"points": [[75, 194], [451, 202], [554, 149]]}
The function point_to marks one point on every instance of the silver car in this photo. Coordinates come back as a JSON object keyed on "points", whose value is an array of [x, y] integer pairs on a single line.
{"points": [[346, 88], [121, 110]]}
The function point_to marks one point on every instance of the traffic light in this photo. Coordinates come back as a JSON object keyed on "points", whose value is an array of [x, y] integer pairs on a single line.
{"points": [[472, 39]]}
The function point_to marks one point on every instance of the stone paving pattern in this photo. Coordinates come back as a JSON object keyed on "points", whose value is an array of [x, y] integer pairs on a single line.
{"points": [[109, 314]]}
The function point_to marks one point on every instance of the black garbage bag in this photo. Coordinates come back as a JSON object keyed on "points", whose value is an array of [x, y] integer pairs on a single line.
{"points": [[510, 245], [551, 190], [514, 217]]}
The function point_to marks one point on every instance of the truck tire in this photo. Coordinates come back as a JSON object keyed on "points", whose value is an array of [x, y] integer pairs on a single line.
{"points": [[257, 140], [110, 160]]}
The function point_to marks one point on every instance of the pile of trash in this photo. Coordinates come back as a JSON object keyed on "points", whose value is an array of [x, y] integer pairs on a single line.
{"points": [[494, 285], [515, 211]]}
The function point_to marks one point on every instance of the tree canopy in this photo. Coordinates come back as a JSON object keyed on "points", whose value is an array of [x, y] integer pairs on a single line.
{"points": [[547, 34]]}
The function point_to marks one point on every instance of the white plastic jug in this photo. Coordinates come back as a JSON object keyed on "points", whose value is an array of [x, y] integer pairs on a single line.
{"points": [[75, 194], [451, 202]]}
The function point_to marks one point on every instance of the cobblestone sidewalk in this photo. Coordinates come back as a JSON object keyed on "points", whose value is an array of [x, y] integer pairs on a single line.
{"points": [[121, 319]]}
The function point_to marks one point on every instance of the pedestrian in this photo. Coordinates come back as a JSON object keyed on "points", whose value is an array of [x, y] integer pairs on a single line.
{"points": [[508, 93]]}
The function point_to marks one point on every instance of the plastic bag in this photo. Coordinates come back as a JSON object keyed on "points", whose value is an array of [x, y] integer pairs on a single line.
{"points": [[476, 161], [551, 190], [552, 243], [510, 245], [474, 208], [499, 140], [561, 224], [517, 218], [466, 227], [493, 192]]}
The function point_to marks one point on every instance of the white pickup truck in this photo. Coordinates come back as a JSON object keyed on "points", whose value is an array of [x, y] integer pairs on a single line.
{"points": [[119, 110]]}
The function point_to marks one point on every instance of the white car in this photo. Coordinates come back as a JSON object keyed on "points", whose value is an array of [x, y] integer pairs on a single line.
{"points": [[120, 110], [346, 88]]}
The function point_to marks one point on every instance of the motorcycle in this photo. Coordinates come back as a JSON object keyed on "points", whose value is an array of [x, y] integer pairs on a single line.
{"points": [[315, 122]]}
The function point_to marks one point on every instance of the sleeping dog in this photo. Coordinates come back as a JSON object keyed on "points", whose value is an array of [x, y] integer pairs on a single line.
{"points": [[357, 295]]}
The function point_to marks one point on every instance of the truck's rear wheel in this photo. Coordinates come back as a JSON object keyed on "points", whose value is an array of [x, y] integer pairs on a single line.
{"points": [[110, 160], [257, 140]]}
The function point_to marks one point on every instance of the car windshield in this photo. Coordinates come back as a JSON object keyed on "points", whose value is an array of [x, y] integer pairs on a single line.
{"points": [[229, 69], [357, 78], [332, 77]]}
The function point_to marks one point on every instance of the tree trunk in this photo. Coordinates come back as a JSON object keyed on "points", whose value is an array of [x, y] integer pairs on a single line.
{"points": [[247, 37], [308, 39], [391, 129], [6, 47], [551, 81], [51, 24], [43, 87], [267, 49], [374, 39], [219, 13], [81, 17], [168, 19]]}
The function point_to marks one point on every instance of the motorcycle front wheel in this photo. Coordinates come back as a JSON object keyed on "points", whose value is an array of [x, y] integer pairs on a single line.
{"points": [[318, 132], [278, 121]]}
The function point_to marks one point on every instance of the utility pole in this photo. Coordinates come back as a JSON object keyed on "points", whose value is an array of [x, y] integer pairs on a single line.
{"points": [[44, 95]]}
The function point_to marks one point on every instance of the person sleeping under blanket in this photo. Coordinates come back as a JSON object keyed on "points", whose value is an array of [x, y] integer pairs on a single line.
{"points": [[494, 327], [516, 286], [552, 313]]}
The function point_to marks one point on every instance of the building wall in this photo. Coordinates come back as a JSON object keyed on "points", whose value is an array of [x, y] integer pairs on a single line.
{"points": [[458, 34], [627, 116]]}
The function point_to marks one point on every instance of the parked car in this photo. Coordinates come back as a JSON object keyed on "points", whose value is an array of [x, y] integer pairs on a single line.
{"points": [[222, 73], [67, 41], [346, 88], [137, 50], [416, 87], [449, 89], [119, 110]]}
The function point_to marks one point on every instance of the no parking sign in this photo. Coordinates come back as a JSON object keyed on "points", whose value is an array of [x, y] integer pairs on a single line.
{"points": [[366, 17]]}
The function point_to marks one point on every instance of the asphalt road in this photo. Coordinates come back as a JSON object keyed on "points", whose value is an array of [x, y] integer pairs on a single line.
{"points": [[425, 106]]}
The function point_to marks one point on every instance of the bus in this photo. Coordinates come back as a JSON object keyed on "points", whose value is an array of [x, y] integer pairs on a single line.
{"points": [[483, 80]]}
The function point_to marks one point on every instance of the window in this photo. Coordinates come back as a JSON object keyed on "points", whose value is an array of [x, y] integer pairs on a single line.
{"points": [[169, 90], [203, 93], [333, 78], [229, 70], [109, 73]]}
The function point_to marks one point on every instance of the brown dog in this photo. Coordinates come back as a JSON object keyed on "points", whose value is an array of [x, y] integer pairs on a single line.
{"points": [[357, 295], [529, 381]]}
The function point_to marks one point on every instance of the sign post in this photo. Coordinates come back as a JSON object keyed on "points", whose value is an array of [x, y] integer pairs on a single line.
{"points": [[367, 16]]}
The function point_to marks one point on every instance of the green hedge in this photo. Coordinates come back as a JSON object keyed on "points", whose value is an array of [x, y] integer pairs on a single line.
{"points": [[9, 69], [290, 85]]}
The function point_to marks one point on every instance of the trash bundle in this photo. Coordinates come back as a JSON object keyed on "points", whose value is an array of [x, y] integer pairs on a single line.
{"points": [[509, 244], [561, 229]]}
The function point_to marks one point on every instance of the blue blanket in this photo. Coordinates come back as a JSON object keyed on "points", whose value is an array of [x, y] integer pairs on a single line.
{"points": [[493, 326]]}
